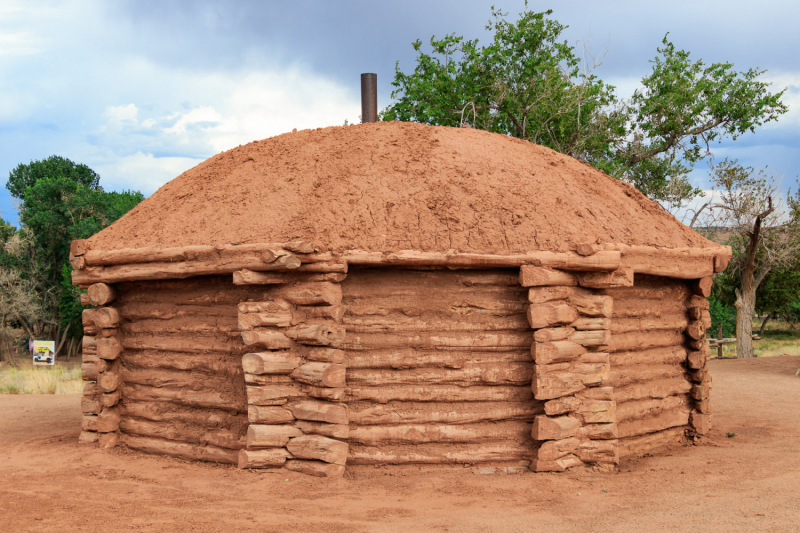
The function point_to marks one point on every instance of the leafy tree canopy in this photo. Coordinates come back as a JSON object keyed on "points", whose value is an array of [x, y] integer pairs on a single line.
{"points": [[528, 84], [25, 176]]}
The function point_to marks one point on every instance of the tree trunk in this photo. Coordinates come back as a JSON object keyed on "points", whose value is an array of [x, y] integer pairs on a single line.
{"points": [[764, 324], [745, 303]]}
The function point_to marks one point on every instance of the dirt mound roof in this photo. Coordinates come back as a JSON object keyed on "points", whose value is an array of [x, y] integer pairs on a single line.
{"points": [[394, 186]]}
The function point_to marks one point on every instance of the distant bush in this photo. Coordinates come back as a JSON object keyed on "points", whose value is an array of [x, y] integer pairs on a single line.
{"points": [[722, 315]]}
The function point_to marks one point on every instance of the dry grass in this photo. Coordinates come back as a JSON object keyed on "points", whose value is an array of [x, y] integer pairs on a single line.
{"points": [[778, 339], [40, 380]]}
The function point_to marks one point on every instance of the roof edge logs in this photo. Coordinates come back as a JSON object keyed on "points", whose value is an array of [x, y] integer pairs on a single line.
{"points": [[153, 263]]}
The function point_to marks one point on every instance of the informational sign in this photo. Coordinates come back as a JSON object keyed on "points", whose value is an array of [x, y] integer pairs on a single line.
{"points": [[44, 352]]}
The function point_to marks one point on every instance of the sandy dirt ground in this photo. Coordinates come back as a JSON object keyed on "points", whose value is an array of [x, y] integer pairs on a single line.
{"points": [[749, 482]]}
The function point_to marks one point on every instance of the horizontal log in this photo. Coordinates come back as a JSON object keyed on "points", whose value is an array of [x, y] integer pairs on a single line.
{"points": [[319, 448], [89, 344], [106, 422], [267, 379], [591, 323], [108, 348], [602, 260], [401, 358], [276, 307], [554, 334], [182, 432], [696, 330], [678, 416], [647, 308], [164, 309], [111, 399], [591, 337], [598, 451], [315, 468], [109, 381], [642, 340], [182, 450], [440, 393], [582, 402], [272, 339], [183, 344], [89, 437], [622, 277], [653, 389], [273, 394], [324, 293], [318, 411], [592, 305], [337, 274], [679, 263], [649, 408], [411, 339], [91, 405], [321, 374], [78, 247], [553, 450], [329, 334], [551, 314], [176, 379], [677, 322], [269, 251], [488, 278], [336, 431], [326, 393], [101, 294], [181, 270], [697, 301], [248, 321], [444, 322], [323, 355], [89, 371], [554, 427], [548, 384], [702, 287], [653, 356], [270, 415], [306, 313], [374, 435], [225, 365], [489, 374], [270, 436], [106, 317], [364, 413], [621, 376], [182, 326], [659, 289], [440, 453], [652, 441], [88, 316], [213, 399], [282, 362], [545, 353], [263, 458], [540, 295], [167, 412], [537, 276]]}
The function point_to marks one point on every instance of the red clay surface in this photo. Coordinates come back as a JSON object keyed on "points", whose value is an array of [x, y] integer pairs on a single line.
{"points": [[750, 482], [392, 186]]}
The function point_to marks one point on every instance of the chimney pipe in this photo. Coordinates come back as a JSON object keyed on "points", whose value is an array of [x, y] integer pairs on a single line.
{"points": [[369, 97]]}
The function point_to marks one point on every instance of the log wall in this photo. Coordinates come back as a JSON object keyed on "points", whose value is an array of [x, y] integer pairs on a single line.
{"points": [[653, 365], [438, 367], [183, 388]]}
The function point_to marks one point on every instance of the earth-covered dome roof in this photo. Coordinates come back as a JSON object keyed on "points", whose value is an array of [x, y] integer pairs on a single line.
{"points": [[391, 186]]}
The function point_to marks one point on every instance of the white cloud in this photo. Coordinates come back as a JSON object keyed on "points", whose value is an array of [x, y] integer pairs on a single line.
{"points": [[121, 113], [18, 44], [141, 171]]}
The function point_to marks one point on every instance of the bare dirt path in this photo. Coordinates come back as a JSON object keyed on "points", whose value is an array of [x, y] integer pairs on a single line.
{"points": [[750, 482]]}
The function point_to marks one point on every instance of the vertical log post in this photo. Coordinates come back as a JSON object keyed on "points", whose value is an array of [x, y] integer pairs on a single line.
{"points": [[295, 376], [579, 424]]}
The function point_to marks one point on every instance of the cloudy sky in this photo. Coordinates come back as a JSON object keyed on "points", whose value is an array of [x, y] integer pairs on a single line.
{"points": [[143, 90]]}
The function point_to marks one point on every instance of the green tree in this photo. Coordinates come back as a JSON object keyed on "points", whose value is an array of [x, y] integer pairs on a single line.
{"points": [[55, 209], [25, 176], [528, 84]]}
